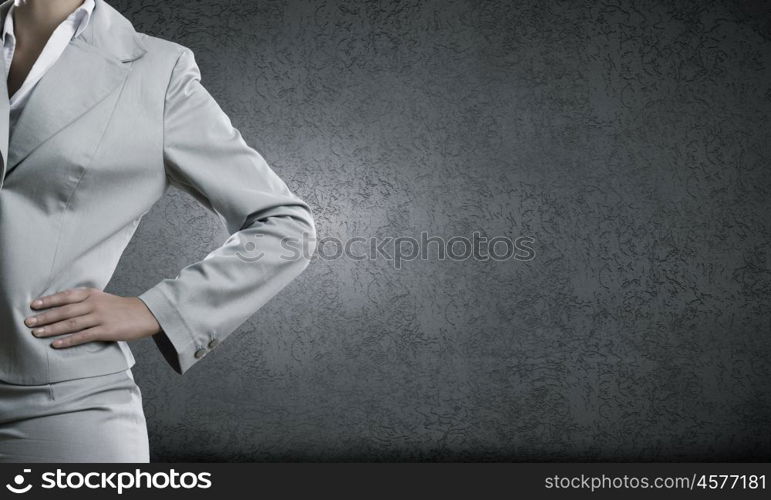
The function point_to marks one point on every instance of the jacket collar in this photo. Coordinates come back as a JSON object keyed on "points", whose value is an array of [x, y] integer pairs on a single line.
{"points": [[112, 33], [92, 67]]}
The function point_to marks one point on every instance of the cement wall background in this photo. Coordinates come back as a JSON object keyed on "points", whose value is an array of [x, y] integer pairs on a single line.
{"points": [[629, 140]]}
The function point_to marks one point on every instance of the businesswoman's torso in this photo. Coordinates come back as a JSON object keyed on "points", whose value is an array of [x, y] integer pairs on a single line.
{"points": [[118, 118], [88, 141]]}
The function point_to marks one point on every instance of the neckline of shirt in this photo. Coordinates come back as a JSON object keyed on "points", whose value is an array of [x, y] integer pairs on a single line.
{"points": [[84, 10]]}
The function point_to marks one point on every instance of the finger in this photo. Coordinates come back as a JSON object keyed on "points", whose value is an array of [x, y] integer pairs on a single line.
{"points": [[87, 335], [58, 314], [69, 296], [70, 325]]}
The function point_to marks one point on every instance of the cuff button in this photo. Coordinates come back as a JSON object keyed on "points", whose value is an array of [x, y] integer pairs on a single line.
{"points": [[213, 343], [200, 353]]}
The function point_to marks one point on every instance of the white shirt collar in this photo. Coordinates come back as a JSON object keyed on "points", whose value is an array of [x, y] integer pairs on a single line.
{"points": [[79, 16]]}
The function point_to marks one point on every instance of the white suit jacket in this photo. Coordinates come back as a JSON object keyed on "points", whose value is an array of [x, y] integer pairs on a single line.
{"points": [[116, 120]]}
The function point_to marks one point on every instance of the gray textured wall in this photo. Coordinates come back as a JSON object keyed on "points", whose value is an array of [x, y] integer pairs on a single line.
{"points": [[629, 139]]}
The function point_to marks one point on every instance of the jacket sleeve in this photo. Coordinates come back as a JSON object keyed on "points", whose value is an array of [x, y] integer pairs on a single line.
{"points": [[272, 232]]}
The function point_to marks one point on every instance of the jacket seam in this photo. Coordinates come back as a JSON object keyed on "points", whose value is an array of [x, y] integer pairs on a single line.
{"points": [[163, 112], [68, 203]]}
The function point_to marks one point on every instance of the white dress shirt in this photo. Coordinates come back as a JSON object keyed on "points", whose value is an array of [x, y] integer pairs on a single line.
{"points": [[60, 38]]}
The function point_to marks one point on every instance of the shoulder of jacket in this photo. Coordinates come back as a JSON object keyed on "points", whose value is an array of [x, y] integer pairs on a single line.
{"points": [[161, 48]]}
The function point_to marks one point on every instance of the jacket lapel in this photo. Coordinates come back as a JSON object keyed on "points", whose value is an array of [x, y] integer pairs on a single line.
{"points": [[79, 80], [91, 67]]}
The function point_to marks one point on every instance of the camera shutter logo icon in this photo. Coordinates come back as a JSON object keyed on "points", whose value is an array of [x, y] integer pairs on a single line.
{"points": [[18, 483]]}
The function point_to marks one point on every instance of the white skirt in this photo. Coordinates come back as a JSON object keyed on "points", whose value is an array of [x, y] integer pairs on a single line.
{"points": [[91, 419]]}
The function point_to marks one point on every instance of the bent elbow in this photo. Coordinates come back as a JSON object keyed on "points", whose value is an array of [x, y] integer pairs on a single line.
{"points": [[308, 236], [299, 239]]}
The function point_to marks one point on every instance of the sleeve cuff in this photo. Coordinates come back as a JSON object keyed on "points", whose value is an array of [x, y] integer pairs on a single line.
{"points": [[175, 341]]}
